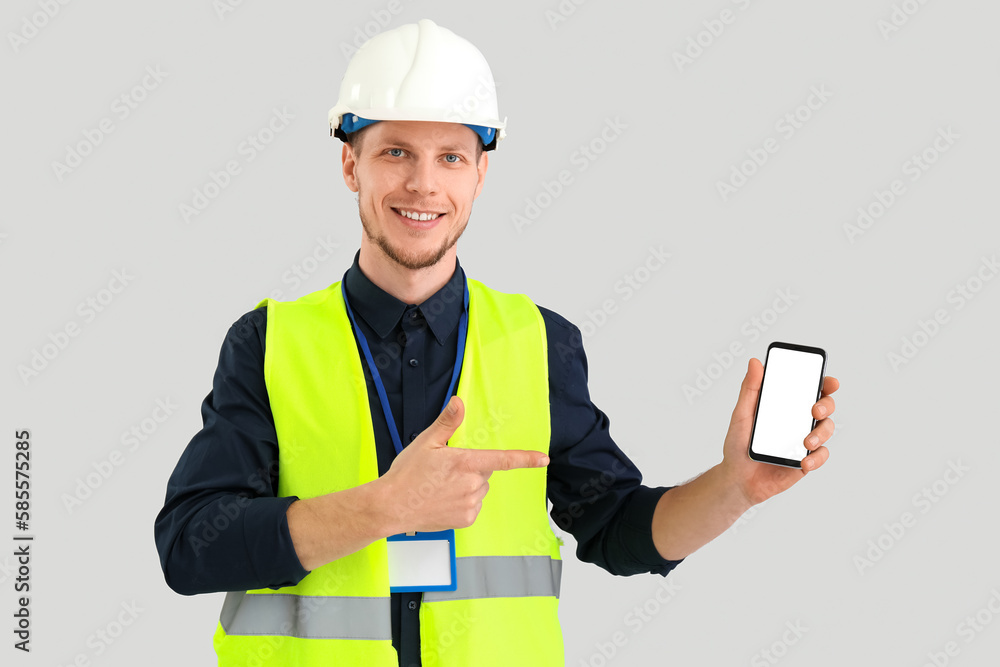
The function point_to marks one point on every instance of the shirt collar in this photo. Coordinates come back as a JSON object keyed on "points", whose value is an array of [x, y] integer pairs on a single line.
{"points": [[382, 311]]}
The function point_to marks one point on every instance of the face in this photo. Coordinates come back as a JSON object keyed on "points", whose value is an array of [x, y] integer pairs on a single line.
{"points": [[416, 182]]}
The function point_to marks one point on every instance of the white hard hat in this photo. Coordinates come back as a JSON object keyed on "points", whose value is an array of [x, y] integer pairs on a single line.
{"points": [[418, 71]]}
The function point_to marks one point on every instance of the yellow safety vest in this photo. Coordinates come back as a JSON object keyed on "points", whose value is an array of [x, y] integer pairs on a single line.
{"points": [[504, 611]]}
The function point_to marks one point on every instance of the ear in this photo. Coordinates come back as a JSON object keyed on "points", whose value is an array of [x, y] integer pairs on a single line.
{"points": [[484, 162], [350, 164]]}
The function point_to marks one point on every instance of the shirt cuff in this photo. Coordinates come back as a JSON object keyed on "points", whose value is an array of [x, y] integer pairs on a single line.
{"points": [[269, 545], [638, 526]]}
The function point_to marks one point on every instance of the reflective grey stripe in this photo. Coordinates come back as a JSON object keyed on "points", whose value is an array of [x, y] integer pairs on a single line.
{"points": [[306, 616], [503, 577], [323, 617]]}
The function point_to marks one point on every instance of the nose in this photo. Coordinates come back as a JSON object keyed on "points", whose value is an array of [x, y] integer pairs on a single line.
{"points": [[422, 179]]}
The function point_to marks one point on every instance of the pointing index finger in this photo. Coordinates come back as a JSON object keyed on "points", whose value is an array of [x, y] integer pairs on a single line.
{"points": [[488, 460]]}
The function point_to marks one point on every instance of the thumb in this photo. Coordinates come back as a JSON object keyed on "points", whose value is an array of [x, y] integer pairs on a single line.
{"points": [[749, 391], [447, 422]]}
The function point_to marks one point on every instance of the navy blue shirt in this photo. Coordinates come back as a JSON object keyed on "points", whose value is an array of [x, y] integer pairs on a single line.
{"points": [[223, 528]]}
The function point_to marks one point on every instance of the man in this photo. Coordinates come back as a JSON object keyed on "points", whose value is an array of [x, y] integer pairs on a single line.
{"points": [[375, 411]]}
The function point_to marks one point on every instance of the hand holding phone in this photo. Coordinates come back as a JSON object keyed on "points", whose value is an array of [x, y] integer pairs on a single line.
{"points": [[791, 385]]}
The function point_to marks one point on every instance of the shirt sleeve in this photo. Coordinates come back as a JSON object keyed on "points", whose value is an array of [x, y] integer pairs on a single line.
{"points": [[596, 491], [222, 528]]}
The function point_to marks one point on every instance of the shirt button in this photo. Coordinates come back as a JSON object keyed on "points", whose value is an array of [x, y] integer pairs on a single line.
{"points": [[413, 436], [414, 362], [412, 605]]}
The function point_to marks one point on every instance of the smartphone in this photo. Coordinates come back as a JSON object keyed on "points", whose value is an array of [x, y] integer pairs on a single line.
{"points": [[792, 383]]}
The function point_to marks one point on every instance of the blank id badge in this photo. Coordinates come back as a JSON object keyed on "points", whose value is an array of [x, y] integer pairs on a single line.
{"points": [[421, 562]]}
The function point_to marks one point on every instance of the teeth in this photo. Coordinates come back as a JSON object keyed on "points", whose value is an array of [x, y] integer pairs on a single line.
{"points": [[422, 217]]}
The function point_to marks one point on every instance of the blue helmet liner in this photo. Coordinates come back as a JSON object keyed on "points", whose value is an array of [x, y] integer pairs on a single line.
{"points": [[352, 123]]}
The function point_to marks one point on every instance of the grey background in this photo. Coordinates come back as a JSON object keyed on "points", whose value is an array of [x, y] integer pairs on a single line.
{"points": [[793, 559]]}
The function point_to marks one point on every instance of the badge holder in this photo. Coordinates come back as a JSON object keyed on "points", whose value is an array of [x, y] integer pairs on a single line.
{"points": [[422, 562]]}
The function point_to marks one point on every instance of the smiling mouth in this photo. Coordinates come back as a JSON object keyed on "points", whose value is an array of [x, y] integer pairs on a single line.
{"points": [[418, 216]]}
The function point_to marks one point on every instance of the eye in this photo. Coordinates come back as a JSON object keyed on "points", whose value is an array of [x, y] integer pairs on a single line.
{"points": [[449, 156], [395, 152]]}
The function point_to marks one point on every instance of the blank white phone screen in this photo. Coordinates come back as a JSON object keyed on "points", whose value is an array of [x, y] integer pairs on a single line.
{"points": [[784, 415]]}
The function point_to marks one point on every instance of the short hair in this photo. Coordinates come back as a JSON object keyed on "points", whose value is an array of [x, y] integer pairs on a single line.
{"points": [[354, 139]]}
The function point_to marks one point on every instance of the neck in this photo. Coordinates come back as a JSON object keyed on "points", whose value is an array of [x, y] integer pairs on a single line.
{"points": [[411, 286]]}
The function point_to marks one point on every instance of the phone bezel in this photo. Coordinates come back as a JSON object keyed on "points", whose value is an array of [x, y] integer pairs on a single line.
{"points": [[777, 460]]}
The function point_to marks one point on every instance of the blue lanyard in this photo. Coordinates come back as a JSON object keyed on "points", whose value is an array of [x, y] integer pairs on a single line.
{"points": [[463, 327]]}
